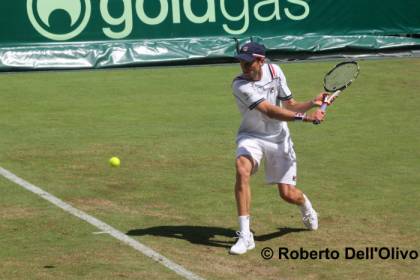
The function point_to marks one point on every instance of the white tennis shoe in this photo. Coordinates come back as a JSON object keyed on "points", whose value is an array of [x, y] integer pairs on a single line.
{"points": [[310, 219], [244, 244]]}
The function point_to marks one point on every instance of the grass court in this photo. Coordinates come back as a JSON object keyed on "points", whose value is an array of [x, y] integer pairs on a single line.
{"points": [[174, 130]]}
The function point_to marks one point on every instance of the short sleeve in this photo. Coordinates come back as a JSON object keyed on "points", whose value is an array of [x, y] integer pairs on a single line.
{"points": [[247, 95]]}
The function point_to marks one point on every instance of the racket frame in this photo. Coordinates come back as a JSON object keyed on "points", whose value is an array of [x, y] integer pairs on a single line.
{"points": [[348, 83], [338, 90]]}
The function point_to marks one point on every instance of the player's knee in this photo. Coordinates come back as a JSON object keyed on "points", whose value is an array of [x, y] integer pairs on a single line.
{"points": [[242, 175], [285, 195], [288, 193], [243, 168]]}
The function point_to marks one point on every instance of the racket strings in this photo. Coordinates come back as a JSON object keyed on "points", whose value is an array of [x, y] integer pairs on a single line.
{"points": [[341, 76]]}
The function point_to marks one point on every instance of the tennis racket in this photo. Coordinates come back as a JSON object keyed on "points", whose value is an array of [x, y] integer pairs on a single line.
{"points": [[338, 79]]}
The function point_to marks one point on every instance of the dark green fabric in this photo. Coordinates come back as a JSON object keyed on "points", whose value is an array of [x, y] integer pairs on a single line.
{"points": [[38, 34]]}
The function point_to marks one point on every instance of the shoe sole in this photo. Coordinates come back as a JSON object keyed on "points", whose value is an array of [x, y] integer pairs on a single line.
{"points": [[248, 249]]}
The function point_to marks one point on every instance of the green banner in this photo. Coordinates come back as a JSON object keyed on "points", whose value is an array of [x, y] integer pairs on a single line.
{"points": [[107, 33]]}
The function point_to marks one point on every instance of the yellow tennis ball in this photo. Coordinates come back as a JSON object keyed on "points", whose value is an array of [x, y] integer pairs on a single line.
{"points": [[114, 162]]}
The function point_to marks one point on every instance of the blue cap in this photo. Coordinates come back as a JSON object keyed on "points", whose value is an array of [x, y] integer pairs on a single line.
{"points": [[250, 51]]}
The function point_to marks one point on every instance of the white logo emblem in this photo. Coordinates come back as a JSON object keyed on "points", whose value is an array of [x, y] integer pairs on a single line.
{"points": [[40, 12]]}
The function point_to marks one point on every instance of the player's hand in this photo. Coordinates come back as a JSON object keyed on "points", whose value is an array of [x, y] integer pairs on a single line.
{"points": [[316, 117], [323, 97]]}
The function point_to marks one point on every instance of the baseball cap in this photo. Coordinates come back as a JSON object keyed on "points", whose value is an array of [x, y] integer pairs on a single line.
{"points": [[250, 51]]}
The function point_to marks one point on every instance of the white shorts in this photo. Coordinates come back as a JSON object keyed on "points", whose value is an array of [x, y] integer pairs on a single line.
{"points": [[280, 158]]}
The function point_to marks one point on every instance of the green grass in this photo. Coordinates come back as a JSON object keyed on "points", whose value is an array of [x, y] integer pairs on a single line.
{"points": [[174, 131]]}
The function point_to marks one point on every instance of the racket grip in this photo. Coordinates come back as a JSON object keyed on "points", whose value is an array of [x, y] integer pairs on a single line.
{"points": [[323, 109]]}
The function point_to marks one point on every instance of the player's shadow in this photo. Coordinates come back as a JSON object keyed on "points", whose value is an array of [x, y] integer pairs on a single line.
{"points": [[209, 236]]}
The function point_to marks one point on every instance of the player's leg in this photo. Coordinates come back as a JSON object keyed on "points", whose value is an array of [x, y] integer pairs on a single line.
{"points": [[244, 166], [293, 195], [247, 161], [245, 242], [281, 169]]}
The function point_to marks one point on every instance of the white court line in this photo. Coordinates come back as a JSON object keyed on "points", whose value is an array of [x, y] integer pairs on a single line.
{"points": [[149, 252]]}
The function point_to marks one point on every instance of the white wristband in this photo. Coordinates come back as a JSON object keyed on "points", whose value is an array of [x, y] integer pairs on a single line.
{"points": [[300, 117]]}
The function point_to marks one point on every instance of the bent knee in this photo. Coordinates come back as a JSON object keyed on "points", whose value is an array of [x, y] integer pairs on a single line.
{"points": [[244, 167], [288, 193]]}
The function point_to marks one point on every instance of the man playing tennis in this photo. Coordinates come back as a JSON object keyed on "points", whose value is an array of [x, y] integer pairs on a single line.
{"points": [[266, 104]]}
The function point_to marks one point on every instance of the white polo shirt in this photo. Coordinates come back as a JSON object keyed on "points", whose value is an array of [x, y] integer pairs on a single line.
{"points": [[248, 94]]}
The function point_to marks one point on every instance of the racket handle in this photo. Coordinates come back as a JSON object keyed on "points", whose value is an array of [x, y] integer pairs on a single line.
{"points": [[323, 109], [325, 104]]}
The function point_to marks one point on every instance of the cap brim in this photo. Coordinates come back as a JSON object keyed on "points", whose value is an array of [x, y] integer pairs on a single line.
{"points": [[245, 57]]}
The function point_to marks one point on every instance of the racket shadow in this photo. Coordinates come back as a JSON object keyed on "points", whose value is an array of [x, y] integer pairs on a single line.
{"points": [[277, 234]]}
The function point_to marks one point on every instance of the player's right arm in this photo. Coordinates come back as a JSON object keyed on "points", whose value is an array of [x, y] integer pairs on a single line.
{"points": [[248, 97], [283, 114]]}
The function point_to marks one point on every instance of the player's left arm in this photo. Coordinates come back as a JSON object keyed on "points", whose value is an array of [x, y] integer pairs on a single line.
{"points": [[286, 97]]}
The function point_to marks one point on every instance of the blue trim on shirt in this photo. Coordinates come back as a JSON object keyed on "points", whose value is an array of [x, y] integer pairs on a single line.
{"points": [[284, 98], [255, 104]]}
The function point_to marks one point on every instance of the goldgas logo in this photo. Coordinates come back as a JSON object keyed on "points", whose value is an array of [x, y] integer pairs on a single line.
{"points": [[59, 20], [62, 20]]}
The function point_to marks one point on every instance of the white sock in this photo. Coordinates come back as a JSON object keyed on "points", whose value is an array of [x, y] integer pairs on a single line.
{"points": [[306, 206], [244, 222]]}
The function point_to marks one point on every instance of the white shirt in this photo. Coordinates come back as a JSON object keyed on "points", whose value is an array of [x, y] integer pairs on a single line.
{"points": [[248, 94]]}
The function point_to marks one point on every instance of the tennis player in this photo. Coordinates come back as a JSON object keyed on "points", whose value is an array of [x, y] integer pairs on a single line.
{"points": [[266, 104]]}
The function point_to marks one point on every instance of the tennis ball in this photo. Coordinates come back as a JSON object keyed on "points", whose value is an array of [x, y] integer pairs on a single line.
{"points": [[114, 162]]}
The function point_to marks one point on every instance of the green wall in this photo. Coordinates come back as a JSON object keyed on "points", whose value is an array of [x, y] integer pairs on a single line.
{"points": [[107, 33]]}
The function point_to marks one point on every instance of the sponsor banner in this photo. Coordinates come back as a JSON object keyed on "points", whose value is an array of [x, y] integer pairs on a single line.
{"points": [[106, 33]]}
